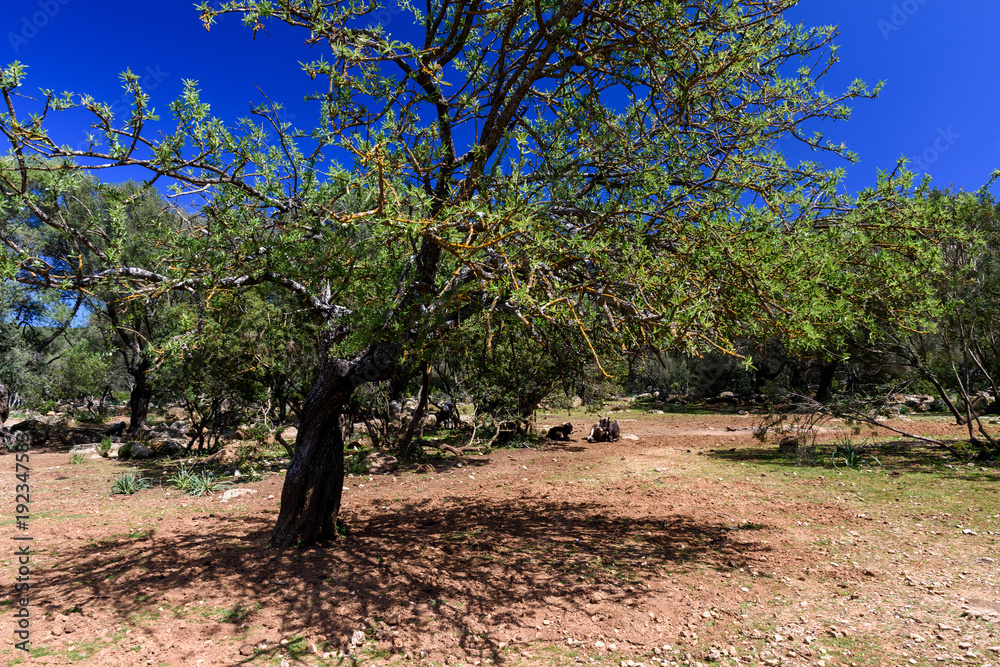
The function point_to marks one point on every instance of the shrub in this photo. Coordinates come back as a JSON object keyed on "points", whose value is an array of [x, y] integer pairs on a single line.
{"points": [[356, 464], [76, 459], [205, 482], [196, 484], [128, 483], [182, 479], [104, 447], [849, 456], [250, 473]]}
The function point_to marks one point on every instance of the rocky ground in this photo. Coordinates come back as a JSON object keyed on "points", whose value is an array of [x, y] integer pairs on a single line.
{"points": [[687, 542]]}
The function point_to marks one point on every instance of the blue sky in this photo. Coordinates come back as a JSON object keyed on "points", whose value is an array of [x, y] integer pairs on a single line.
{"points": [[937, 57]]}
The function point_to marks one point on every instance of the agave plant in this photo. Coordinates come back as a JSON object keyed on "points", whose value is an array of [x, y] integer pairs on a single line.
{"points": [[128, 483]]}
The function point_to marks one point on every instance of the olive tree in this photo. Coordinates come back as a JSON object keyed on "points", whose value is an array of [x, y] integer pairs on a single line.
{"points": [[608, 168]]}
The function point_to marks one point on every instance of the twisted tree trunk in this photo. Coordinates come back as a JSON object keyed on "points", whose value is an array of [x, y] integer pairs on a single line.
{"points": [[311, 495], [139, 397]]}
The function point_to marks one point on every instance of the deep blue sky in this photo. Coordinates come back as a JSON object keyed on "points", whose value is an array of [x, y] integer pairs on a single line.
{"points": [[937, 57]]}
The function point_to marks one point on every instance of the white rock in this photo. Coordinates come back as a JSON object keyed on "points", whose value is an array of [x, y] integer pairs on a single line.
{"points": [[236, 493]]}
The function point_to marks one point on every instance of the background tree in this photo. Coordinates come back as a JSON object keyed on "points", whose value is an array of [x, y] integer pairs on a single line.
{"points": [[556, 164], [233, 359], [961, 356], [76, 227]]}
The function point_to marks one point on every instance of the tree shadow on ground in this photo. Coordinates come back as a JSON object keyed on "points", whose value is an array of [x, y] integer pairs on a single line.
{"points": [[460, 566]]}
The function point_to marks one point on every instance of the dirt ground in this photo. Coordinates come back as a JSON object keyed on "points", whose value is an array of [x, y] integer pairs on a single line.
{"points": [[685, 543]]}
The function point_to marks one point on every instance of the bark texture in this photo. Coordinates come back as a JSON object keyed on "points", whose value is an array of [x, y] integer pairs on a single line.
{"points": [[311, 495], [4, 403], [138, 400]]}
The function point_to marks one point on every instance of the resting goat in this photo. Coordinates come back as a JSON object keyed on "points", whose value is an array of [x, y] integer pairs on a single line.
{"points": [[560, 432], [605, 431]]}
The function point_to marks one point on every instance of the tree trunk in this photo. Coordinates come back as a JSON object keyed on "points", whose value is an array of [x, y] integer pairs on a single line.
{"points": [[138, 400], [826, 375], [4, 403], [403, 447], [310, 498], [943, 393]]}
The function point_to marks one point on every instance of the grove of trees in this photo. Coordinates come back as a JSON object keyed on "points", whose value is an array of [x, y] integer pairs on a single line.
{"points": [[521, 194]]}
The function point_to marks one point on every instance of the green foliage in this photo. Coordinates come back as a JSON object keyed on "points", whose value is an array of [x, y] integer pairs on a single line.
{"points": [[225, 361], [76, 459], [83, 372], [535, 187], [848, 456], [250, 473], [104, 447], [125, 451], [196, 483], [577, 216], [128, 483], [959, 358], [15, 355], [355, 463], [182, 479]]}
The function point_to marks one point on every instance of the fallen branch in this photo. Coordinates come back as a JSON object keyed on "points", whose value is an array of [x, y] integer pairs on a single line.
{"points": [[865, 419], [457, 451]]}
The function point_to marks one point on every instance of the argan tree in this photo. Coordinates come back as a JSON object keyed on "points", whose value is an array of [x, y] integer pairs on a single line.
{"points": [[961, 355], [595, 165]]}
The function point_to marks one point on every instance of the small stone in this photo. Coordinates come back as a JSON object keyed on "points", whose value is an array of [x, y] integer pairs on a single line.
{"points": [[236, 493], [246, 650]]}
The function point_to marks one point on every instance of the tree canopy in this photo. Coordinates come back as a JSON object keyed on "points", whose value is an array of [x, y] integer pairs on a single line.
{"points": [[609, 168]]}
